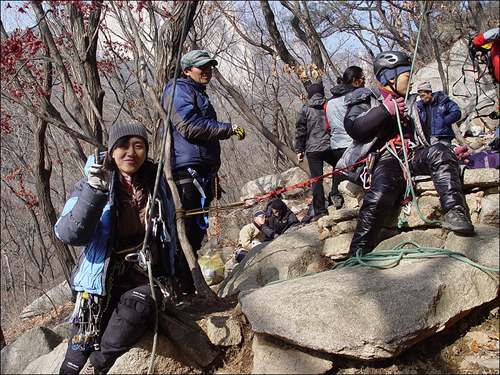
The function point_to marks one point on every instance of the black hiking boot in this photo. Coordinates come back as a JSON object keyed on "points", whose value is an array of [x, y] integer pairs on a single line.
{"points": [[456, 219]]}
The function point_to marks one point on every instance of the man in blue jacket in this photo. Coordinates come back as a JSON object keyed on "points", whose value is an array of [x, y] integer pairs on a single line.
{"points": [[437, 112], [195, 155]]}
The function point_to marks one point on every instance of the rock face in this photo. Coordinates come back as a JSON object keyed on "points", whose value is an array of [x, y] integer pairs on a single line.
{"points": [[290, 255], [375, 313], [36, 342], [55, 297]]}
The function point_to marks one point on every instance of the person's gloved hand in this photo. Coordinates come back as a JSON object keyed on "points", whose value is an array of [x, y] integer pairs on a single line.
{"points": [[98, 177], [463, 152], [391, 107], [239, 132]]}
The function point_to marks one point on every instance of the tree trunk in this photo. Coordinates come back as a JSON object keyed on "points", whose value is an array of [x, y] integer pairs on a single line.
{"points": [[42, 183]]}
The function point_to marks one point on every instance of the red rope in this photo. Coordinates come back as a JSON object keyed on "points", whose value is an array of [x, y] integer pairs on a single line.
{"points": [[300, 184]]}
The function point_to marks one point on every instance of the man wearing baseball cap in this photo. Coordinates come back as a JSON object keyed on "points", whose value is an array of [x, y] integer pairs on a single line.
{"points": [[195, 153], [437, 112]]}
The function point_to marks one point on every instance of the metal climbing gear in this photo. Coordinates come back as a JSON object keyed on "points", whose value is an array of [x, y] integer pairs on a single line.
{"points": [[366, 175], [87, 315]]}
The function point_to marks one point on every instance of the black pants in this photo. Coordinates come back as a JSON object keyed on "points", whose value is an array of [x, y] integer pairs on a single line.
{"points": [[388, 185], [125, 320], [315, 161], [191, 199]]}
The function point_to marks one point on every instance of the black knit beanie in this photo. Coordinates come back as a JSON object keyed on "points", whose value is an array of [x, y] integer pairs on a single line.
{"points": [[278, 204], [126, 128], [314, 89]]}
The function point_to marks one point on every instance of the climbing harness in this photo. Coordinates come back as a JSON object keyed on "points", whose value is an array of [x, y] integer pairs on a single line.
{"points": [[87, 315]]}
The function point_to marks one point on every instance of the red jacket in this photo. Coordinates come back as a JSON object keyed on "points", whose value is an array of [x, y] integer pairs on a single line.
{"points": [[491, 36]]}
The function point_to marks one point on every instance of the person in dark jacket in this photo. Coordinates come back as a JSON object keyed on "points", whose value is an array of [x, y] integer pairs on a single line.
{"points": [[106, 215], [279, 219], [312, 139], [335, 110], [195, 155], [371, 120], [437, 112]]}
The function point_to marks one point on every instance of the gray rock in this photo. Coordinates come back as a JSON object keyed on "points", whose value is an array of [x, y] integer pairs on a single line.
{"points": [[222, 330], [482, 177], [353, 194], [168, 359], [264, 185], [481, 248], [337, 247], [30, 346], [290, 255], [376, 313], [272, 358], [489, 214], [420, 237], [48, 363], [57, 296]]}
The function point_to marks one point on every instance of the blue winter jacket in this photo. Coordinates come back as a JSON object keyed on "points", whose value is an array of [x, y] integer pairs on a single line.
{"points": [[88, 220], [195, 129], [443, 113]]}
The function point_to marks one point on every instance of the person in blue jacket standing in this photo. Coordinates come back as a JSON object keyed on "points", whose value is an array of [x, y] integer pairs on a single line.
{"points": [[106, 215], [195, 155], [437, 112]]}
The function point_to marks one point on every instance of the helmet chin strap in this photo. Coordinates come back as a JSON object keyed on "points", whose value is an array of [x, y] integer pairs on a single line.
{"points": [[393, 88]]}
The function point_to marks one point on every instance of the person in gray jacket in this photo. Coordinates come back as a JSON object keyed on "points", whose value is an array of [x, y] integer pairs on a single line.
{"points": [[312, 139], [106, 215], [335, 110]]}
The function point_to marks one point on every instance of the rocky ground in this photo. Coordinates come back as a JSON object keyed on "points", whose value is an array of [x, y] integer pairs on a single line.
{"points": [[471, 346]]}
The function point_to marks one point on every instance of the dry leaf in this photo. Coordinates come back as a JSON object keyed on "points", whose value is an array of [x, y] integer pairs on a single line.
{"points": [[474, 347]]}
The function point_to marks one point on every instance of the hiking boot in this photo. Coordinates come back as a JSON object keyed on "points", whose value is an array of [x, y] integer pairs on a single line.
{"points": [[91, 370], [336, 201], [456, 219]]}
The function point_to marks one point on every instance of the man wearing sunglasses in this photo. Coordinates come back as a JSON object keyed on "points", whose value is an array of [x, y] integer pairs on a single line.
{"points": [[195, 153]]}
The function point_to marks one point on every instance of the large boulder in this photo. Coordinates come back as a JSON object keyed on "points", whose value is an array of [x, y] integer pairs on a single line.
{"points": [[49, 363], [290, 255], [57, 296], [371, 313], [30, 346], [265, 184]]}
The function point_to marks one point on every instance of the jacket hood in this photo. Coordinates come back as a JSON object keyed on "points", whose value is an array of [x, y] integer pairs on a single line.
{"points": [[341, 90], [317, 101], [440, 97]]}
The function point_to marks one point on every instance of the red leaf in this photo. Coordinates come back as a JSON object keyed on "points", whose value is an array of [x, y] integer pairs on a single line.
{"points": [[21, 10]]}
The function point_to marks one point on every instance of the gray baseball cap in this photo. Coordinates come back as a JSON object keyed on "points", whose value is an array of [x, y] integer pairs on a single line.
{"points": [[196, 58], [424, 86]]}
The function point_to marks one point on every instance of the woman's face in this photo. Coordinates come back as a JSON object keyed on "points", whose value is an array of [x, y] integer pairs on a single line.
{"points": [[130, 156]]}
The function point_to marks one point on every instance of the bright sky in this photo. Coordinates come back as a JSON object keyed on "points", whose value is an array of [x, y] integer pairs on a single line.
{"points": [[13, 19]]}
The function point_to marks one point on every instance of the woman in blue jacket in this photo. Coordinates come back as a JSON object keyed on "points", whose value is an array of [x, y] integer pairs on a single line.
{"points": [[106, 215]]}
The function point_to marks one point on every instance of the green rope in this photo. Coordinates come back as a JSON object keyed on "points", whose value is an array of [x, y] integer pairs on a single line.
{"points": [[393, 257], [396, 254]]}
